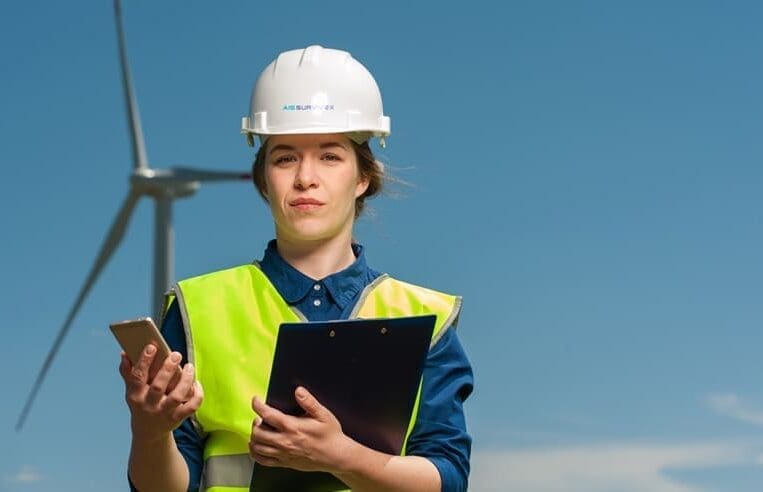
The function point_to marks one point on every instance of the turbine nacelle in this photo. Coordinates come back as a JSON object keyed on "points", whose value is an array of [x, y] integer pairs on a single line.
{"points": [[162, 183]]}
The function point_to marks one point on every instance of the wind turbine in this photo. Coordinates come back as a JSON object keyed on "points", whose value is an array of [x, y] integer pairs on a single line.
{"points": [[161, 185]]}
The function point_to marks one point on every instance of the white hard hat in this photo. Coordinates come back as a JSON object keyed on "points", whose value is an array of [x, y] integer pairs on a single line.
{"points": [[316, 90]]}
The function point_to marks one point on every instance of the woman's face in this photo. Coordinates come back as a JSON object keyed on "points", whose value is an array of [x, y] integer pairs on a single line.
{"points": [[311, 184]]}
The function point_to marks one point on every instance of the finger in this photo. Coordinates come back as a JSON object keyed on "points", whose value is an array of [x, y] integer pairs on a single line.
{"points": [[270, 416], [132, 387], [264, 450], [311, 405], [183, 390], [262, 434], [187, 409], [256, 424], [125, 366], [155, 367], [159, 384], [265, 460], [140, 369], [139, 372], [175, 379], [134, 390]]}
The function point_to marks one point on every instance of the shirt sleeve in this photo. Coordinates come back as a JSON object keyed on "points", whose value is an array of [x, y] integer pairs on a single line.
{"points": [[439, 433], [188, 441]]}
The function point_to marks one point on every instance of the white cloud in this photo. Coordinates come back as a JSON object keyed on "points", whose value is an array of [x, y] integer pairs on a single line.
{"points": [[620, 467], [26, 474], [730, 405]]}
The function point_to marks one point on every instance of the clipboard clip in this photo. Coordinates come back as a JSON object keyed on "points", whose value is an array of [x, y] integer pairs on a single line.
{"points": [[332, 332]]}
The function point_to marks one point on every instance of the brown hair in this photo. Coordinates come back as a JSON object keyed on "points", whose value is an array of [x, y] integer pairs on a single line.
{"points": [[368, 166]]}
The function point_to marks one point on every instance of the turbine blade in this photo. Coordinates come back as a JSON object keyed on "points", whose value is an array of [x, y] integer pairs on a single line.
{"points": [[139, 159], [112, 240], [194, 174]]}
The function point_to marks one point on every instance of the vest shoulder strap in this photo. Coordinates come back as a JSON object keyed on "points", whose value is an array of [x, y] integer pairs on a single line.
{"points": [[235, 282], [389, 297]]}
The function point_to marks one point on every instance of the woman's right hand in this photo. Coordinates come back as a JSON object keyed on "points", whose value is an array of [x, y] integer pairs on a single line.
{"points": [[159, 400]]}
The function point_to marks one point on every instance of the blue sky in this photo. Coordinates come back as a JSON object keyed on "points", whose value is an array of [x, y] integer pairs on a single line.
{"points": [[585, 174]]}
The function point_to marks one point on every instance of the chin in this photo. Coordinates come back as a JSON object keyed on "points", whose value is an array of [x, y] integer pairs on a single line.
{"points": [[312, 233], [312, 229]]}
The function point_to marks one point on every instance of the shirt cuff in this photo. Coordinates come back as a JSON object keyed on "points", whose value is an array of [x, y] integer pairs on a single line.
{"points": [[450, 479]]}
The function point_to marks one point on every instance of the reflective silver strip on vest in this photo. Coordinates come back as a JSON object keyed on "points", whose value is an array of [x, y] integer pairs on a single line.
{"points": [[232, 470], [451, 321], [190, 352], [365, 293]]}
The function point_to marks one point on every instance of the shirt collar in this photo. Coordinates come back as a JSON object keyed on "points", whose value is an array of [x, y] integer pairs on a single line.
{"points": [[294, 285]]}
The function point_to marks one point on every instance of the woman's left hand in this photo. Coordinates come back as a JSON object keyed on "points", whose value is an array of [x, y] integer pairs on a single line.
{"points": [[312, 442]]}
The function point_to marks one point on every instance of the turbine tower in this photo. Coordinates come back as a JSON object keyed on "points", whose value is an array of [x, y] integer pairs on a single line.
{"points": [[161, 185]]}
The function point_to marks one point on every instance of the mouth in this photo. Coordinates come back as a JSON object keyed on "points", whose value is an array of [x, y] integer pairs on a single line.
{"points": [[306, 203]]}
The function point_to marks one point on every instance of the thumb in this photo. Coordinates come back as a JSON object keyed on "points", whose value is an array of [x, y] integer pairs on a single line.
{"points": [[310, 404]]}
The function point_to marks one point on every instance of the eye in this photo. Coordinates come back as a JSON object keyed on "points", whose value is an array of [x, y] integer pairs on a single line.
{"points": [[284, 159], [329, 156]]}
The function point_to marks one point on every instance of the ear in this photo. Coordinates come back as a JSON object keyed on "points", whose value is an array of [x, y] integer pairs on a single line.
{"points": [[362, 186], [263, 191]]}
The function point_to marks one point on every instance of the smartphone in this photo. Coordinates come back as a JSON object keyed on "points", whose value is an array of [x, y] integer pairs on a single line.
{"points": [[133, 335]]}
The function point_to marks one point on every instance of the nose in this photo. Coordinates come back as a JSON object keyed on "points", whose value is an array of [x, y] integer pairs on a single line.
{"points": [[306, 177]]}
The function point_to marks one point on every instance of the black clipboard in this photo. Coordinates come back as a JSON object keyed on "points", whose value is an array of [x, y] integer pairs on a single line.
{"points": [[366, 371]]}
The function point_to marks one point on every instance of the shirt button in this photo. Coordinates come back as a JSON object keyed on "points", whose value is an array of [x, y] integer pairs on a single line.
{"points": [[317, 302], [317, 287]]}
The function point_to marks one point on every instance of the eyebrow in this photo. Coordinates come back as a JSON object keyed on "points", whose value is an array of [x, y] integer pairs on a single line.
{"points": [[281, 147], [289, 148], [332, 144]]}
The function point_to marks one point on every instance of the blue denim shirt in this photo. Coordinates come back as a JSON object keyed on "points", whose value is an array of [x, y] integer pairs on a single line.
{"points": [[439, 433]]}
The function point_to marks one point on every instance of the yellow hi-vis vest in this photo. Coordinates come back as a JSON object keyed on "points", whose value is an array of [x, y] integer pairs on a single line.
{"points": [[231, 320]]}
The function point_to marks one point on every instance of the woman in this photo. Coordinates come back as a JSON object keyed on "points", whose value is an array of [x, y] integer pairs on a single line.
{"points": [[314, 111]]}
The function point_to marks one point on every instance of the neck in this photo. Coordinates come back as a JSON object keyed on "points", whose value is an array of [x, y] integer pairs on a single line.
{"points": [[317, 259]]}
